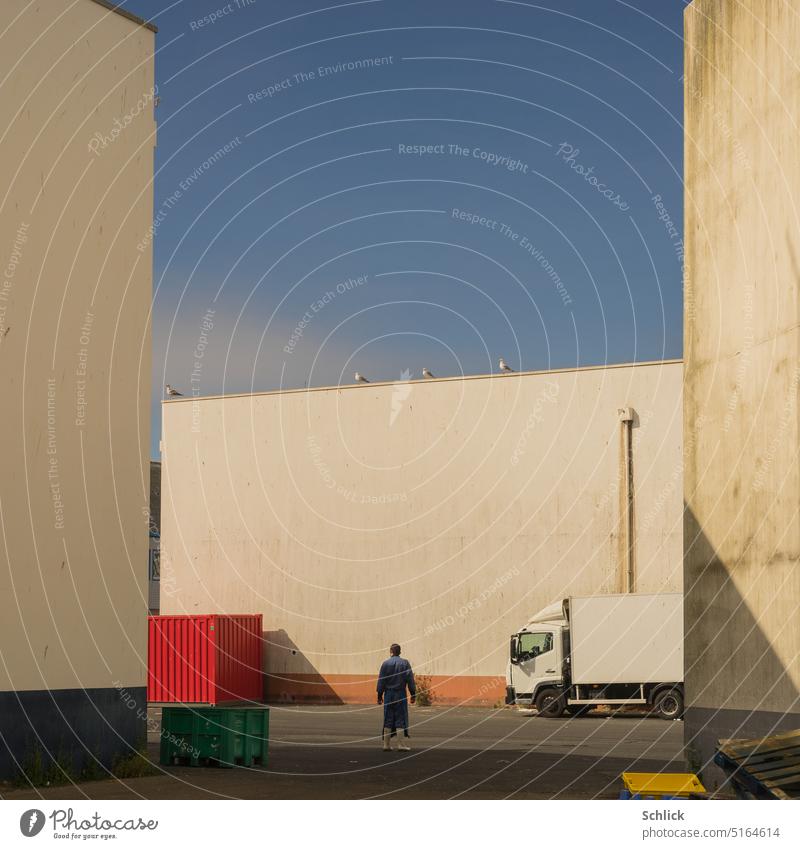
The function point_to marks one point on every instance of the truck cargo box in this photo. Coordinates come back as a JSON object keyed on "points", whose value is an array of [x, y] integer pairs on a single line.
{"points": [[621, 639]]}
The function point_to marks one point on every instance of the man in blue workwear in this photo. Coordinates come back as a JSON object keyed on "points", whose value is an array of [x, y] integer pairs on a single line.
{"points": [[395, 675]]}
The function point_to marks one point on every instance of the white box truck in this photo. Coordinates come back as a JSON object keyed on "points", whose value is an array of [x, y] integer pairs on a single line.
{"points": [[583, 652]]}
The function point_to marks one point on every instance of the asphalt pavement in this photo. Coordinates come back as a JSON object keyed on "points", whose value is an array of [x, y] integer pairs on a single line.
{"points": [[335, 753]]}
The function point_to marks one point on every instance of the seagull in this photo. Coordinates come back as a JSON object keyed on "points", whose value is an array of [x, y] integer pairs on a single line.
{"points": [[360, 378], [426, 372], [504, 367], [173, 392]]}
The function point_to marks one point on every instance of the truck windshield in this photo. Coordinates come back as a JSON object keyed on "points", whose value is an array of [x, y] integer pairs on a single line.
{"points": [[531, 645]]}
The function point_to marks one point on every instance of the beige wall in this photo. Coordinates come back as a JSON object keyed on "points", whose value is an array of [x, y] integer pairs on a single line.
{"points": [[74, 295], [440, 514], [742, 486]]}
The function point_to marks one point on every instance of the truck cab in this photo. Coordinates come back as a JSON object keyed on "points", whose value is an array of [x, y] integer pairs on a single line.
{"points": [[537, 656]]}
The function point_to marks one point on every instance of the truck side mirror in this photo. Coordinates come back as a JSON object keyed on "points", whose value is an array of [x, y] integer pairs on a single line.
{"points": [[513, 652]]}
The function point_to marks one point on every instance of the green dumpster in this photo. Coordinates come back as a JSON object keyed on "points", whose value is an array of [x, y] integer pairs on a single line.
{"points": [[222, 736]]}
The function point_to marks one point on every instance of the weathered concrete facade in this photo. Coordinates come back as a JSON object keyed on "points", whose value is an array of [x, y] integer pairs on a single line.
{"points": [[437, 513], [76, 167], [742, 334]]}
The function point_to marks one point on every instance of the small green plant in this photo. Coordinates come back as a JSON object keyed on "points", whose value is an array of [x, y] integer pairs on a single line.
{"points": [[93, 770], [136, 765], [40, 770], [32, 772], [425, 696], [694, 761]]}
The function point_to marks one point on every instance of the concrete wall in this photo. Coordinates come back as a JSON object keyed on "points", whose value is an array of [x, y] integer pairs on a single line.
{"points": [[438, 513], [74, 372], [742, 480]]}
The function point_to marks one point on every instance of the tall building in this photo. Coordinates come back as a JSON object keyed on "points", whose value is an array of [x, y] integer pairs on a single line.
{"points": [[76, 169], [436, 513], [154, 559], [742, 335]]}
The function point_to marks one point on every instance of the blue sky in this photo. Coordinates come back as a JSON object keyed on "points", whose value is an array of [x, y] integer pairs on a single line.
{"points": [[493, 178]]}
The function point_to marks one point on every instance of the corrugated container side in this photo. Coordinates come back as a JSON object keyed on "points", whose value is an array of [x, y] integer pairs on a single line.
{"points": [[207, 659], [238, 658]]}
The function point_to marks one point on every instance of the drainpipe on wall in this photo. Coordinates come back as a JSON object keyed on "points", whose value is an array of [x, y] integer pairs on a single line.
{"points": [[626, 416]]}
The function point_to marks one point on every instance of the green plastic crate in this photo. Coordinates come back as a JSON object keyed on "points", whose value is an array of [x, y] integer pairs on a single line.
{"points": [[226, 736]]}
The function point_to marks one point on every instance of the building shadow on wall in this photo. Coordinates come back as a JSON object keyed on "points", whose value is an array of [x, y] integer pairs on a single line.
{"points": [[289, 676], [736, 685]]}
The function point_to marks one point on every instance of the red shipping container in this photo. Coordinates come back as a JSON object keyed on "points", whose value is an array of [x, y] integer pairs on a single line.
{"points": [[204, 659]]}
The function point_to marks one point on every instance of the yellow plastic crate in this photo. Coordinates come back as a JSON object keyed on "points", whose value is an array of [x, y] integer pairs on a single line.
{"points": [[662, 785]]}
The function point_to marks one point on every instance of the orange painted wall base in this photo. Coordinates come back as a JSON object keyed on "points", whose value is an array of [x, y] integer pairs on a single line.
{"points": [[471, 690]]}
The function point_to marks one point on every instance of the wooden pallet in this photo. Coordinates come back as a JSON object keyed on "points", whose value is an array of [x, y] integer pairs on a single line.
{"points": [[766, 768]]}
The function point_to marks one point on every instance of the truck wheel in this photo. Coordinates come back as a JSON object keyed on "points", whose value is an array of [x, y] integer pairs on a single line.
{"points": [[550, 703], [669, 704]]}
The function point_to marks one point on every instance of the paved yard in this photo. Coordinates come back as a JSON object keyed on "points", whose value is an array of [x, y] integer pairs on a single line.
{"points": [[334, 752]]}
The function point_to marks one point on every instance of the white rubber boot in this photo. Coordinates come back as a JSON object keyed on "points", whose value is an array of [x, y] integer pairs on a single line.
{"points": [[386, 740], [403, 744]]}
